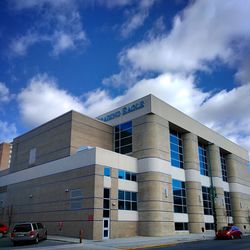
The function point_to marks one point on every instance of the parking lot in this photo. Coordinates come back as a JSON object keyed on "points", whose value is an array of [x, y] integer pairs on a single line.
{"points": [[6, 244]]}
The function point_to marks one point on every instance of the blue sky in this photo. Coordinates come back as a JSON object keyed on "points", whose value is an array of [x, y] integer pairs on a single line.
{"points": [[95, 55]]}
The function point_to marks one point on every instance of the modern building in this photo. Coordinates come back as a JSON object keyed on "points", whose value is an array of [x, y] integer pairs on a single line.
{"points": [[142, 169]]}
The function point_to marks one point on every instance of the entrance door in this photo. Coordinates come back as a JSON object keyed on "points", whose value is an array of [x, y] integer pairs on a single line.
{"points": [[105, 228]]}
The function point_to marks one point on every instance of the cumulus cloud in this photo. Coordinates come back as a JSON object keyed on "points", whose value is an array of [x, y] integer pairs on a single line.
{"points": [[8, 131], [42, 100], [59, 24], [5, 95], [136, 17], [218, 111], [197, 37], [228, 113]]}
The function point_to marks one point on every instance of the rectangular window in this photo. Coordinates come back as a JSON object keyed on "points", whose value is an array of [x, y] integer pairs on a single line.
{"points": [[207, 203], [179, 196], [176, 149], [228, 203], [209, 226], [107, 171], [125, 175], [223, 167], [181, 226], [203, 159], [127, 200], [76, 199], [123, 138], [32, 156], [106, 202]]}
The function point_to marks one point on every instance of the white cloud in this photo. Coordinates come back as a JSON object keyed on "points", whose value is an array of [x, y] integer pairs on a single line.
{"points": [[133, 22], [225, 112], [42, 101], [20, 45], [136, 17], [60, 26], [5, 95], [8, 131], [196, 38], [243, 73], [228, 113], [177, 90]]}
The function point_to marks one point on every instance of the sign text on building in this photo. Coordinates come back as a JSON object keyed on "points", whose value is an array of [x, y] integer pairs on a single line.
{"points": [[123, 111]]}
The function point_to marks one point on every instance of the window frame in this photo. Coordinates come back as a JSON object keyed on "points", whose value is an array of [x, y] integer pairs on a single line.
{"points": [[203, 159], [76, 200], [228, 204], [206, 196], [181, 188], [176, 147], [224, 172], [120, 146], [125, 202]]}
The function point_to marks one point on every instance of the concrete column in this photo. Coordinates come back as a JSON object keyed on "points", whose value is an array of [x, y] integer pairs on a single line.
{"points": [[215, 164], [238, 176], [151, 137], [193, 184], [155, 202], [155, 205]]}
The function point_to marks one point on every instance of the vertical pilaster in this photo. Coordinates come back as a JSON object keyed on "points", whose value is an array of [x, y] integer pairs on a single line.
{"points": [[193, 184], [215, 164], [236, 178], [151, 137], [151, 147]]}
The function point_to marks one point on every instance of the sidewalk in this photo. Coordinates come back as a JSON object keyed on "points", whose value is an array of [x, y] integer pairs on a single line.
{"points": [[135, 242]]}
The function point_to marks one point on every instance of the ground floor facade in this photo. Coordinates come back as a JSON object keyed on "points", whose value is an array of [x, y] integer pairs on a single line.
{"points": [[109, 195]]}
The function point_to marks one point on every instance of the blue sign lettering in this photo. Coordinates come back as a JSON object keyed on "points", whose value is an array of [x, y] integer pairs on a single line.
{"points": [[125, 110]]}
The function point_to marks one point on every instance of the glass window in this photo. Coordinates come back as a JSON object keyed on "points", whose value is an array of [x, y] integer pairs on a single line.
{"points": [[121, 174], [75, 204], [107, 171], [228, 203], [32, 156], [125, 175], [76, 199], [75, 193], [106, 193], [179, 196], [106, 202], [176, 149], [181, 226], [127, 200], [203, 159], [209, 226], [223, 167], [123, 138], [207, 203]]}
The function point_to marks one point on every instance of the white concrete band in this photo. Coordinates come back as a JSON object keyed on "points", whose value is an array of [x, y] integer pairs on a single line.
{"points": [[179, 217], [128, 185], [238, 188], [160, 166], [124, 215]]}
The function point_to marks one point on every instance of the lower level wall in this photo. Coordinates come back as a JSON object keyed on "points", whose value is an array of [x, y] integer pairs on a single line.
{"points": [[123, 229]]}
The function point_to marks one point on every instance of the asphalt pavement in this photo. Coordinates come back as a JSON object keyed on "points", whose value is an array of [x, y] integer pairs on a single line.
{"points": [[176, 242]]}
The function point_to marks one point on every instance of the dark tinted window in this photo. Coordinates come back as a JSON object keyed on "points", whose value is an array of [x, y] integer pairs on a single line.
{"points": [[40, 225], [22, 228], [34, 226]]}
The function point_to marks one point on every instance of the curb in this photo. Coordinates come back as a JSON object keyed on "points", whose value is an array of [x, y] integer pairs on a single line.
{"points": [[151, 246]]}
